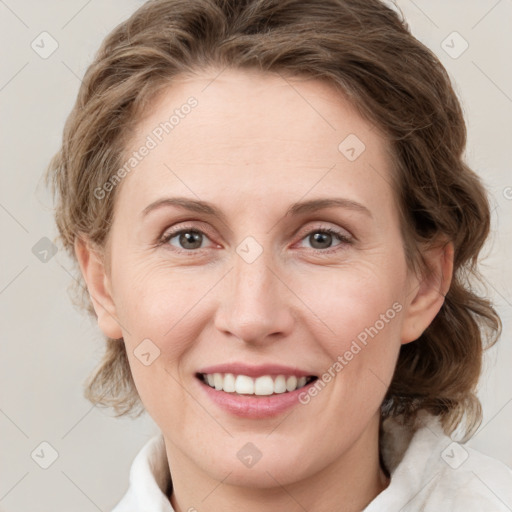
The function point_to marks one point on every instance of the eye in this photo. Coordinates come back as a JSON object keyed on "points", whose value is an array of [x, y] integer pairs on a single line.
{"points": [[185, 239], [322, 239]]}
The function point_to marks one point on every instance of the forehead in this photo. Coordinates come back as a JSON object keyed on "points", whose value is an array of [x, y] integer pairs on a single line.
{"points": [[262, 134]]}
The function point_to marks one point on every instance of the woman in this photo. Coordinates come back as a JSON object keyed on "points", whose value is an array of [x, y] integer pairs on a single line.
{"points": [[275, 227]]}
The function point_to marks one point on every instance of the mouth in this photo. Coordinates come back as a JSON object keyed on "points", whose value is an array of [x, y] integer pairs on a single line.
{"points": [[262, 385], [254, 391]]}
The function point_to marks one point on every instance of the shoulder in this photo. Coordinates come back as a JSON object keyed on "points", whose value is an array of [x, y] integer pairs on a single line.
{"points": [[430, 472], [470, 480]]}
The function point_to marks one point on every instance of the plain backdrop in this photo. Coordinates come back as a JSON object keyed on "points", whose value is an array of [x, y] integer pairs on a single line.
{"points": [[49, 348]]}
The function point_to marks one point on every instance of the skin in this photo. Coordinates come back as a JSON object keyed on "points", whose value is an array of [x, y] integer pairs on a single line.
{"points": [[253, 146]]}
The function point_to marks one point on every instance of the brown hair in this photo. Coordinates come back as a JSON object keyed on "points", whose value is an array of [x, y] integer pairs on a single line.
{"points": [[363, 48]]}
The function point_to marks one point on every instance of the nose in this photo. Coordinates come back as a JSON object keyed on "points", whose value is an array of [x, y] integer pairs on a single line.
{"points": [[256, 303]]}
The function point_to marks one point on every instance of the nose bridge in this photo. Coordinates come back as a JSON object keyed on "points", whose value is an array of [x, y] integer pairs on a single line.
{"points": [[255, 305], [254, 280]]}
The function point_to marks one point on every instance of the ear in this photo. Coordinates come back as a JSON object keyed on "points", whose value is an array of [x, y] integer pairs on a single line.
{"points": [[99, 287], [426, 295]]}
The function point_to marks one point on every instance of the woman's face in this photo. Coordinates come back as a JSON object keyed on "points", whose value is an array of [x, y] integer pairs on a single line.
{"points": [[242, 278]]}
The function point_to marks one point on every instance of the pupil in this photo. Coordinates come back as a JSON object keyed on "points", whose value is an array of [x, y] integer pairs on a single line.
{"points": [[190, 237], [321, 238]]}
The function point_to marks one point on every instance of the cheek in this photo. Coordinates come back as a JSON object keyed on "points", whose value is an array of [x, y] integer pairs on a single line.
{"points": [[363, 312], [153, 301], [161, 327], [355, 306], [156, 310]]}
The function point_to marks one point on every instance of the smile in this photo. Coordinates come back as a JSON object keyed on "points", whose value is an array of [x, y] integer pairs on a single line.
{"points": [[254, 391], [263, 385]]}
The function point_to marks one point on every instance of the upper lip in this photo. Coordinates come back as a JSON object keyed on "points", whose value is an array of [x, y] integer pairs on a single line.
{"points": [[255, 370]]}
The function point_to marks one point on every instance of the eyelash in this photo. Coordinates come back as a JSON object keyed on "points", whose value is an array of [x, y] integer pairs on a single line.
{"points": [[344, 240]]}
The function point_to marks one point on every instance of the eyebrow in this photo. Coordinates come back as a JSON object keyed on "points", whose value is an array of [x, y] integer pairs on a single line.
{"points": [[299, 208]]}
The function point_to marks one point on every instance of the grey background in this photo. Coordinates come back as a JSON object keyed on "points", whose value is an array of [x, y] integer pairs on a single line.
{"points": [[48, 348]]}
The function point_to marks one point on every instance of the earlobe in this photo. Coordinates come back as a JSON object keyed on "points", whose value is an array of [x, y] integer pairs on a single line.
{"points": [[427, 294], [98, 286]]}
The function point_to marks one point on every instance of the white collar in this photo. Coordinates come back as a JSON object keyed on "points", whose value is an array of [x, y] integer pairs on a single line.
{"points": [[427, 470]]}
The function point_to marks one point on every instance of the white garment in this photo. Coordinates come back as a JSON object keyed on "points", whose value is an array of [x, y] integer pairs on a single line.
{"points": [[429, 473]]}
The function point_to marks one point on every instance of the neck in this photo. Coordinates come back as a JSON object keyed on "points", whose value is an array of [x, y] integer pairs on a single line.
{"points": [[349, 484]]}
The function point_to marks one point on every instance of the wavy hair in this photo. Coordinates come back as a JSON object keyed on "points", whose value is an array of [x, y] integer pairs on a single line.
{"points": [[365, 49]]}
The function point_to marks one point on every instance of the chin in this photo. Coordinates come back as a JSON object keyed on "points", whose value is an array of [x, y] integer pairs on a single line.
{"points": [[261, 464], [263, 475]]}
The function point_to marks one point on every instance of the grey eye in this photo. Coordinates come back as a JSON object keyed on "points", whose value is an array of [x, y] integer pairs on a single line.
{"points": [[320, 240], [188, 239]]}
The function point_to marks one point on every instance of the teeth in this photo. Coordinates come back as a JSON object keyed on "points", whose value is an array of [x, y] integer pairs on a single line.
{"points": [[244, 385], [280, 384], [261, 386], [218, 381], [229, 383], [264, 385], [291, 383]]}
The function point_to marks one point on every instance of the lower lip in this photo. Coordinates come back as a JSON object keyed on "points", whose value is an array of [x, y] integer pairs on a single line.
{"points": [[254, 406]]}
